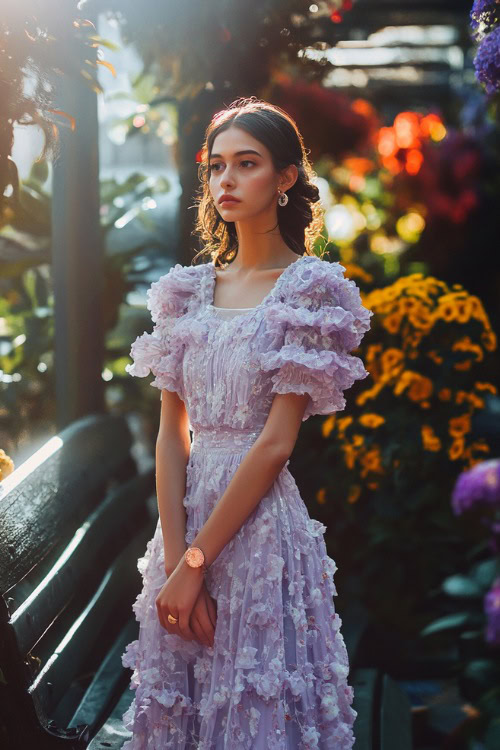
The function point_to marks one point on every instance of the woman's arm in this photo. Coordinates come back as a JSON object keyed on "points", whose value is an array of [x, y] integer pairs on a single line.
{"points": [[172, 455], [255, 475]]}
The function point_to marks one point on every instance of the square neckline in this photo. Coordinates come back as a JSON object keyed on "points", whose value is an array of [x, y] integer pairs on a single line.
{"points": [[263, 301]]}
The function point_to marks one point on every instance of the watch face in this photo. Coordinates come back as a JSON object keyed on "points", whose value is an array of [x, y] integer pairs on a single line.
{"points": [[194, 557]]}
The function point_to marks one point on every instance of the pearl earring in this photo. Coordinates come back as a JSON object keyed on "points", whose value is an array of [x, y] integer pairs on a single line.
{"points": [[283, 198]]}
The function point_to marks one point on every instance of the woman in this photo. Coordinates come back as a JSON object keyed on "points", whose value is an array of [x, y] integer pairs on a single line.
{"points": [[239, 643]]}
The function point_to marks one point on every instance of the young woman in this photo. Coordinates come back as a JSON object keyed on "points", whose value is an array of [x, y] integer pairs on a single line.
{"points": [[239, 644]]}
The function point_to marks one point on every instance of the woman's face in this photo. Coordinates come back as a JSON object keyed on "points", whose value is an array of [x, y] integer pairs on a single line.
{"points": [[249, 176]]}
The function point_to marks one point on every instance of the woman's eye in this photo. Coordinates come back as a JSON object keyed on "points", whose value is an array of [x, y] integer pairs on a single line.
{"points": [[213, 166]]}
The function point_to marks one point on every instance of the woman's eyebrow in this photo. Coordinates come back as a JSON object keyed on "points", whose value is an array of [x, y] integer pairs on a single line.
{"points": [[237, 153]]}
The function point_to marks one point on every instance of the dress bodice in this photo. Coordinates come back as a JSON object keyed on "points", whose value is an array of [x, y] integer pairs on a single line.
{"points": [[227, 364]]}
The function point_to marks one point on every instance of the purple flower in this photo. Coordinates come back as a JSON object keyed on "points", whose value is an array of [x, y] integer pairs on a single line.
{"points": [[481, 484], [492, 611], [485, 14], [487, 61]]}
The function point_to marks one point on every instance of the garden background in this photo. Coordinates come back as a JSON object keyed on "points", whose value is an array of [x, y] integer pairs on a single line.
{"points": [[103, 107]]}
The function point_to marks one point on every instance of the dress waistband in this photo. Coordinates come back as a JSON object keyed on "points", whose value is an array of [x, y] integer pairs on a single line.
{"points": [[223, 438]]}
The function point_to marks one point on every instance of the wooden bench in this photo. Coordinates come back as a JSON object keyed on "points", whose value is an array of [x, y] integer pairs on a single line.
{"points": [[74, 520]]}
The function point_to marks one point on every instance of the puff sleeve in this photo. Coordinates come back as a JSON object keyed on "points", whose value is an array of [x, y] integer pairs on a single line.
{"points": [[160, 352], [319, 320]]}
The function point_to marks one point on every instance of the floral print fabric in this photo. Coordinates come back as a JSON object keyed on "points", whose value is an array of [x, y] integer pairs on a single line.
{"points": [[277, 674]]}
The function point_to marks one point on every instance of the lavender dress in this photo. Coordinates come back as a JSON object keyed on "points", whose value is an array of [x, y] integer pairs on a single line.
{"points": [[276, 676]]}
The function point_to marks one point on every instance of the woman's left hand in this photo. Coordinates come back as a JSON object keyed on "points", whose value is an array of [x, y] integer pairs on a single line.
{"points": [[177, 597]]}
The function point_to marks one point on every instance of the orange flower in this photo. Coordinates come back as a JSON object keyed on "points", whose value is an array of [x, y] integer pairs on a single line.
{"points": [[456, 448], [349, 455], [371, 461], [420, 388], [321, 496], [466, 344], [404, 381], [328, 425], [480, 445], [354, 493], [485, 387], [445, 394], [343, 423], [435, 357], [458, 426], [371, 420], [430, 440], [465, 365], [489, 340]]}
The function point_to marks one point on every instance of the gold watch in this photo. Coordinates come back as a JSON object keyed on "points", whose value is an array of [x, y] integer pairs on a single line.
{"points": [[195, 558]]}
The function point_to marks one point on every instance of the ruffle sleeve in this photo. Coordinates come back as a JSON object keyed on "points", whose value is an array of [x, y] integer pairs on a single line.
{"points": [[160, 352], [315, 324]]}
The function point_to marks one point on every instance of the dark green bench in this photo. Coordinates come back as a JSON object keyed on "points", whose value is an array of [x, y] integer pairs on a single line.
{"points": [[74, 520], [384, 720]]}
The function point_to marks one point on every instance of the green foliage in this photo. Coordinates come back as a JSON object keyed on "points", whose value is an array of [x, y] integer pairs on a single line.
{"points": [[27, 361]]}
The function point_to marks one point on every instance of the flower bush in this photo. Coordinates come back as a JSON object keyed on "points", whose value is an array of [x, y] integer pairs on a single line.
{"points": [[411, 425], [470, 614]]}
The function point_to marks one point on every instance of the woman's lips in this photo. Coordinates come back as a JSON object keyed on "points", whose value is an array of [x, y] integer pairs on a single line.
{"points": [[229, 202]]}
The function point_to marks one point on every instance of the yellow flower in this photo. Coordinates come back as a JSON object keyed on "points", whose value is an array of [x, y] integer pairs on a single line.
{"points": [[420, 318], [430, 440], [349, 455], [458, 426], [354, 493], [446, 311], [353, 271], [404, 381], [407, 304], [328, 425], [489, 340], [371, 420], [6, 464], [465, 344], [392, 322], [391, 358], [343, 423]]}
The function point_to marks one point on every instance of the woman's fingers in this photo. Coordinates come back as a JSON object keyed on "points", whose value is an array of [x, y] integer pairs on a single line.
{"points": [[202, 620], [184, 627], [205, 620], [211, 608]]}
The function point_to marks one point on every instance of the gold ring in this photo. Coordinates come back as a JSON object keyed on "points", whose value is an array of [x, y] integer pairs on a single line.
{"points": [[172, 620]]}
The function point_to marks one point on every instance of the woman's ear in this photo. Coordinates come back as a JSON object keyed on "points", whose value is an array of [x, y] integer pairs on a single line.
{"points": [[288, 177]]}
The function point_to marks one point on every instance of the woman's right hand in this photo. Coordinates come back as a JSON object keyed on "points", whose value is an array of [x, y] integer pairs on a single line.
{"points": [[203, 617]]}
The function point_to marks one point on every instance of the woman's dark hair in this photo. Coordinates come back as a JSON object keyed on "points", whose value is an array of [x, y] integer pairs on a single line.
{"points": [[301, 220]]}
